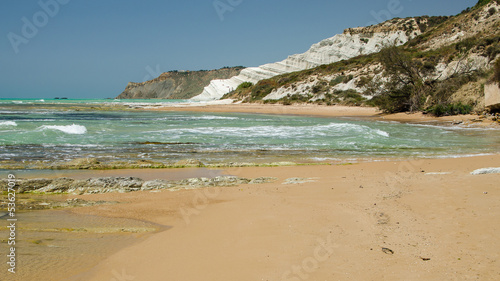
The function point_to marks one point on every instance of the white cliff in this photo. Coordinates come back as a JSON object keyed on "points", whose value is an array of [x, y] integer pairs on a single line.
{"points": [[353, 42]]}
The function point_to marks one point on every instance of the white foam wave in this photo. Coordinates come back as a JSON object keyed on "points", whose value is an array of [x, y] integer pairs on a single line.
{"points": [[68, 129], [332, 129], [211, 117], [8, 123], [485, 171], [382, 133]]}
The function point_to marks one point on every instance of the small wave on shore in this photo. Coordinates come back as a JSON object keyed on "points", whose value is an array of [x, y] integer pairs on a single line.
{"points": [[68, 129], [7, 123]]}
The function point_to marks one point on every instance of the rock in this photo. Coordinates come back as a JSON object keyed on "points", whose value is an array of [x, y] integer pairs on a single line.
{"points": [[189, 163], [59, 185], [263, 180], [176, 84], [492, 96], [78, 163], [105, 185], [156, 184], [486, 171], [298, 180], [127, 184], [25, 185]]}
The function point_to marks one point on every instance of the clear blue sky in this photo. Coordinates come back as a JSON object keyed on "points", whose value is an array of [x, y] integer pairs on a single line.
{"points": [[93, 48]]}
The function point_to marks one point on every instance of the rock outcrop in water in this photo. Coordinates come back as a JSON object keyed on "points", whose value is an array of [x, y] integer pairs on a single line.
{"points": [[176, 84]]}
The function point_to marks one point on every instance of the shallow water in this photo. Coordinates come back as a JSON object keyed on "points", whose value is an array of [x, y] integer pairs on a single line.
{"points": [[56, 244], [47, 134]]}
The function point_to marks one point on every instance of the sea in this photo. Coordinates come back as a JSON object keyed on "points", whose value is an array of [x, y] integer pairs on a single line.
{"points": [[34, 131]]}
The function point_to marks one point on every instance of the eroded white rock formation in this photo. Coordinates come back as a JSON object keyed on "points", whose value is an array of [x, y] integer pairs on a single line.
{"points": [[353, 42]]}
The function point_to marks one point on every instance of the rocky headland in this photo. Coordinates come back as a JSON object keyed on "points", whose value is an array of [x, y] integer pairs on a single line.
{"points": [[176, 84]]}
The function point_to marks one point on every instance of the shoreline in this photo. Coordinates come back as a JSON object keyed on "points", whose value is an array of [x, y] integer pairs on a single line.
{"points": [[313, 110]]}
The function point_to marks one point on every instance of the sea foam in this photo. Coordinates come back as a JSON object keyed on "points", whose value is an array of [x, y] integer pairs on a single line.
{"points": [[8, 123], [68, 129]]}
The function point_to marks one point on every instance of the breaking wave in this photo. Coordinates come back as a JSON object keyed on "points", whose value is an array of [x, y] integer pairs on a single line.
{"points": [[8, 123], [68, 129]]}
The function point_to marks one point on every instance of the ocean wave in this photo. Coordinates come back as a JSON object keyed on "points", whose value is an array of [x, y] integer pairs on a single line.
{"points": [[8, 123], [68, 129], [332, 129], [212, 117], [382, 133]]}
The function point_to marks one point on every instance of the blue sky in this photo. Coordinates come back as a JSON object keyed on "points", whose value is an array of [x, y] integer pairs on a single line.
{"points": [[93, 48]]}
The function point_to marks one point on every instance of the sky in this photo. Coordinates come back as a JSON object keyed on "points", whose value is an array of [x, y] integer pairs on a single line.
{"points": [[93, 48]]}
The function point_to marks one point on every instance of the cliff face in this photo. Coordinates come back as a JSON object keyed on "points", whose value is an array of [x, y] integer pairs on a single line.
{"points": [[353, 42], [176, 85], [454, 45]]}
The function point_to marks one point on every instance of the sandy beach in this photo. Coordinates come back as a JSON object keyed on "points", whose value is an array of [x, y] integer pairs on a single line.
{"points": [[409, 220]]}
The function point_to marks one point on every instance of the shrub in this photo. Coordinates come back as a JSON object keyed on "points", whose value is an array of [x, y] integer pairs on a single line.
{"points": [[348, 78], [396, 100], [363, 81], [350, 97], [262, 89], [492, 11], [449, 109], [244, 85], [337, 80]]}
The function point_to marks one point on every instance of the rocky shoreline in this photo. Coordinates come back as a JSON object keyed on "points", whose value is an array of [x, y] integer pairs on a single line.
{"points": [[122, 184]]}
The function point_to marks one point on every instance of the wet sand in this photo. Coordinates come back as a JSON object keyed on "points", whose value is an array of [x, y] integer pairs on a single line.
{"points": [[409, 220], [56, 244]]}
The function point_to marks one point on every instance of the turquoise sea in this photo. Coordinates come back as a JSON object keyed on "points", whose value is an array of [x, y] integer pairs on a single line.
{"points": [[56, 130]]}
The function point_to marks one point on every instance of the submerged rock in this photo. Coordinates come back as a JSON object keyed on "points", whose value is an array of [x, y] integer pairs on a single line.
{"points": [[79, 163], [189, 163]]}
